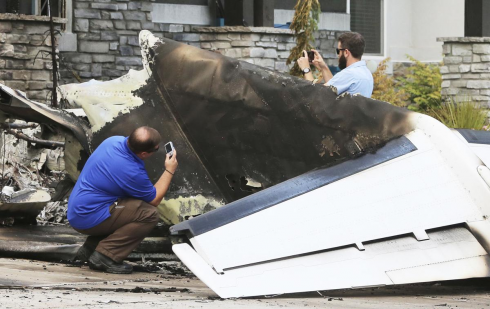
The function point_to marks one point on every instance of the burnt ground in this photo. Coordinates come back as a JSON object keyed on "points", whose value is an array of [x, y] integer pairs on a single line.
{"points": [[34, 284]]}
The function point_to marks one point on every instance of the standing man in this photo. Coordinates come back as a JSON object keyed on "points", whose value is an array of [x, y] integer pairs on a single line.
{"points": [[354, 76], [114, 201]]}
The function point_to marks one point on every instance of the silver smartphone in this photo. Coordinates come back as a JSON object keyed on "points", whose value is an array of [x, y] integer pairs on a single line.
{"points": [[169, 148]]}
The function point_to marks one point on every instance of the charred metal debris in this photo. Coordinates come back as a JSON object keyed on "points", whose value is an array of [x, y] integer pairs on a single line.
{"points": [[239, 129]]}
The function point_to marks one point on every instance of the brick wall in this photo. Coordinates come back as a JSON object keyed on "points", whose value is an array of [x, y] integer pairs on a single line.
{"points": [[21, 38]]}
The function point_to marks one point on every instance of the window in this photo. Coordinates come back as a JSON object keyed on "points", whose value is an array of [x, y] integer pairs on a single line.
{"points": [[366, 18], [191, 2], [32, 7], [16, 7], [56, 7], [331, 6]]}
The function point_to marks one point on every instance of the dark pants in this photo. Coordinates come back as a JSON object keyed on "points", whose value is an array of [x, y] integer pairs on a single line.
{"points": [[130, 222]]}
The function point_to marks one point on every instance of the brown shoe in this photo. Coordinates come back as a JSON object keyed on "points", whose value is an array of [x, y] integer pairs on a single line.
{"points": [[98, 261]]}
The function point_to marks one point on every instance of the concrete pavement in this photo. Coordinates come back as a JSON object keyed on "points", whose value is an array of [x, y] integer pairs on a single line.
{"points": [[35, 284]]}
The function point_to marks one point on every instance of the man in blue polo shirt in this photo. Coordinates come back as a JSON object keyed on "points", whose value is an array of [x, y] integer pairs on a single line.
{"points": [[355, 77], [114, 201]]}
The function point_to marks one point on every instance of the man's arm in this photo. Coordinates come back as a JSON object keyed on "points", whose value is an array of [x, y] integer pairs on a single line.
{"points": [[163, 183], [327, 74]]}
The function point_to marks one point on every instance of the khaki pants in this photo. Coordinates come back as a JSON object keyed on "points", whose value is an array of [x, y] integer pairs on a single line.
{"points": [[130, 222]]}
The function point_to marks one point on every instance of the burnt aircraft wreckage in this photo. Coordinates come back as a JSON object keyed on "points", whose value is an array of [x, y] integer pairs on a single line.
{"points": [[284, 186]]}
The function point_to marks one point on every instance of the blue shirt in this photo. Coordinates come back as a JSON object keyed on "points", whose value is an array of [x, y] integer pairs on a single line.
{"points": [[356, 78], [113, 171]]}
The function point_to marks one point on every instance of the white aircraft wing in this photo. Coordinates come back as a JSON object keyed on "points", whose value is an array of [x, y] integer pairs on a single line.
{"points": [[415, 211]]}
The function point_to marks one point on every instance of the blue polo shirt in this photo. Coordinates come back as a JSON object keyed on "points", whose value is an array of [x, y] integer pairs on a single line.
{"points": [[356, 78], [113, 171]]}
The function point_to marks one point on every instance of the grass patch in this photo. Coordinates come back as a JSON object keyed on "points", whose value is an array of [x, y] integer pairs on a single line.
{"points": [[460, 115]]}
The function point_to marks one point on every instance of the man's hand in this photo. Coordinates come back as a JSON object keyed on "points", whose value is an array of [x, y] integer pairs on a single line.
{"points": [[318, 62], [171, 162], [164, 182], [304, 62]]}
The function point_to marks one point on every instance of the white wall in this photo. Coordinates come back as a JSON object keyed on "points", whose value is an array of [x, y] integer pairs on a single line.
{"points": [[328, 21], [181, 14], [412, 26]]}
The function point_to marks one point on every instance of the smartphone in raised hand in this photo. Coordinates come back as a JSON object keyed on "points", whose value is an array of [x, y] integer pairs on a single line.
{"points": [[169, 148], [311, 55]]}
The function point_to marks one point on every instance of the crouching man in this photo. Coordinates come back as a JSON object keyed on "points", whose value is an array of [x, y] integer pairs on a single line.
{"points": [[114, 201]]}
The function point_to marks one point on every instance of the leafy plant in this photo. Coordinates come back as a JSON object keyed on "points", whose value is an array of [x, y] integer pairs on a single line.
{"points": [[386, 87], [462, 115], [305, 22], [423, 86]]}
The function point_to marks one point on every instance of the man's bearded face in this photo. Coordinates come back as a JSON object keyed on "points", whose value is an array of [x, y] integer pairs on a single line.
{"points": [[342, 61]]}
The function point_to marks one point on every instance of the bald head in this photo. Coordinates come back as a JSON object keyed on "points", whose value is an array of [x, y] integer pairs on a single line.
{"points": [[144, 139]]}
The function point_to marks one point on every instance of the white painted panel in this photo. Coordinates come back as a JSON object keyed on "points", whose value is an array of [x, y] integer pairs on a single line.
{"points": [[415, 192], [474, 267], [328, 21], [361, 230], [181, 14], [449, 254], [482, 151]]}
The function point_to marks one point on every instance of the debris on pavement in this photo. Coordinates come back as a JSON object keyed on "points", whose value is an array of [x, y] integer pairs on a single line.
{"points": [[53, 214], [174, 268]]}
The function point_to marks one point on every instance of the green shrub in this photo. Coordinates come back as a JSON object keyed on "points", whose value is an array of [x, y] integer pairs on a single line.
{"points": [[305, 22], [385, 87], [423, 86]]}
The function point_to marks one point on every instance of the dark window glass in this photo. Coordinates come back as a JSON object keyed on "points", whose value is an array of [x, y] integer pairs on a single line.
{"points": [[194, 2], [16, 7], [332, 6], [27, 7], [56, 6], [366, 19]]}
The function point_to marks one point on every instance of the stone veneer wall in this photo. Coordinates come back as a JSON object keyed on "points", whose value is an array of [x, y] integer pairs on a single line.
{"points": [[466, 69], [266, 47], [107, 34], [21, 38]]}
